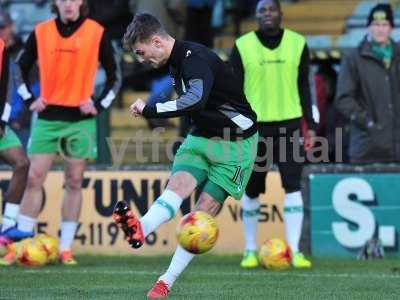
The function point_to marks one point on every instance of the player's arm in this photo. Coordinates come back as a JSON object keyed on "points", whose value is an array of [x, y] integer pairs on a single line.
{"points": [[199, 78], [113, 75], [236, 62], [5, 108], [303, 83], [25, 61]]}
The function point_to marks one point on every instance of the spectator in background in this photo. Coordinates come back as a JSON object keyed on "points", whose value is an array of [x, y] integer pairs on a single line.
{"points": [[68, 50], [368, 92], [273, 66]]}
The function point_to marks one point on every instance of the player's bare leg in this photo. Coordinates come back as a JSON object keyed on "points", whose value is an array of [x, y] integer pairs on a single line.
{"points": [[71, 206], [182, 258], [32, 199], [18, 160]]}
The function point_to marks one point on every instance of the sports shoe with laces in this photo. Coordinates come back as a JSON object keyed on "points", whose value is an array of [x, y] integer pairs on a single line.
{"points": [[300, 262], [130, 225], [158, 291], [66, 258], [249, 260]]}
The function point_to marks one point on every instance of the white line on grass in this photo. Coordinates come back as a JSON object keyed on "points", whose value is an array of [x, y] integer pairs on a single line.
{"points": [[268, 273]]}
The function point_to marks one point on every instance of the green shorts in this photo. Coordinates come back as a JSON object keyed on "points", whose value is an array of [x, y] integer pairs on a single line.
{"points": [[226, 164], [70, 139], [9, 140]]}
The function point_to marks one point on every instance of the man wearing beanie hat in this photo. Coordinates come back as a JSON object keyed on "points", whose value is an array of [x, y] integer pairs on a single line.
{"points": [[368, 93], [381, 12]]}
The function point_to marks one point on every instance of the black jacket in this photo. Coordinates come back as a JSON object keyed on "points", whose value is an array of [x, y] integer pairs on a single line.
{"points": [[368, 94], [209, 92]]}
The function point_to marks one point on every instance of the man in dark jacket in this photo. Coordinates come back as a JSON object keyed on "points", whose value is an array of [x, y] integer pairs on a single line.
{"points": [[368, 93]]}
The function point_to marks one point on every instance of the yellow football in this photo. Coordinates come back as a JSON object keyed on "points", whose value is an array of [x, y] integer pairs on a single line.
{"points": [[50, 245], [275, 254], [197, 232]]}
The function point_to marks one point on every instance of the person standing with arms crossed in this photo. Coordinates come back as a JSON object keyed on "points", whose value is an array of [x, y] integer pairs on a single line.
{"points": [[68, 50], [273, 64]]}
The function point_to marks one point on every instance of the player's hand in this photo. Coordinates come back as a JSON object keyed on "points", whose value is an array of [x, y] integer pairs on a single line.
{"points": [[88, 108], [38, 105], [136, 108], [310, 139]]}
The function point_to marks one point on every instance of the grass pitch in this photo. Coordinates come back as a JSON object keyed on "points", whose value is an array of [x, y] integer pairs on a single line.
{"points": [[208, 277]]}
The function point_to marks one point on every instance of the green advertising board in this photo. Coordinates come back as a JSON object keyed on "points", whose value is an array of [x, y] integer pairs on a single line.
{"points": [[346, 210]]}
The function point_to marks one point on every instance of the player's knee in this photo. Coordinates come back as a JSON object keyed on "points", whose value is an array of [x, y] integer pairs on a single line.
{"points": [[73, 181], [182, 184], [208, 204], [35, 179]]}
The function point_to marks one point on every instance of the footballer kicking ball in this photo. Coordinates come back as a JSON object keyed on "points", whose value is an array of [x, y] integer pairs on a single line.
{"points": [[50, 245], [275, 254], [197, 232], [31, 253]]}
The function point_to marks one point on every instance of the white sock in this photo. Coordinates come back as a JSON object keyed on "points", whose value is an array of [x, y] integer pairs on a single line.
{"points": [[68, 229], [162, 210], [293, 217], [178, 264], [250, 207], [26, 223], [10, 216]]}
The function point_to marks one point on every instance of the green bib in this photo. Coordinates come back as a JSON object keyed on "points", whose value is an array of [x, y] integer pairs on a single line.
{"points": [[270, 76]]}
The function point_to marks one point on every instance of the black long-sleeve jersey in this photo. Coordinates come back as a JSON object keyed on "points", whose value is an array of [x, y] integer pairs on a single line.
{"points": [[106, 57], [4, 108], [209, 92], [272, 42]]}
